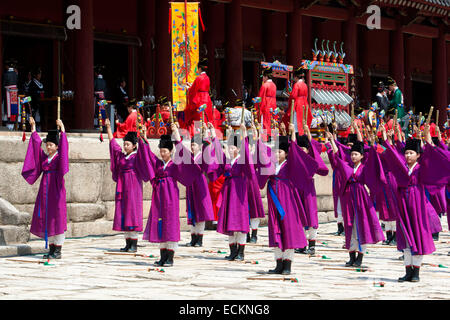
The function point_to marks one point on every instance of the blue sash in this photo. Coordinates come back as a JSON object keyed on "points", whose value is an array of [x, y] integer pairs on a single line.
{"points": [[276, 201]]}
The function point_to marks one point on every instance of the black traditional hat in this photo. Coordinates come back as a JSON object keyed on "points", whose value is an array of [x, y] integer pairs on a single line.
{"points": [[283, 143], [239, 102], [414, 145], [299, 72], [267, 72], [162, 100], [36, 71], [52, 136], [352, 138], [302, 140], [166, 142], [357, 146], [131, 136], [381, 85], [203, 63], [390, 81], [131, 103]]}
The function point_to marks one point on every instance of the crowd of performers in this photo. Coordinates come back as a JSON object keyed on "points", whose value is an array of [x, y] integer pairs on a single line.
{"points": [[378, 177]]}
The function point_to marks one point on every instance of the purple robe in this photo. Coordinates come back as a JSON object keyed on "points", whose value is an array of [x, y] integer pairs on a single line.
{"points": [[285, 207], [256, 208], [444, 149], [198, 200], [307, 189], [128, 173], [413, 223], [50, 212], [357, 207], [385, 201], [163, 222], [233, 214]]}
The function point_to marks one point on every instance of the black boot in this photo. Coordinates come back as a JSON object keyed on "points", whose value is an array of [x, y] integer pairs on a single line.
{"points": [[240, 252], [193, 240], [127, 247], [162, 257], [169, 260], [279, 268], [248, 237], [407, 276], [199, 242], [311, 247], [352, 259], [57, 253], [340, 229], [388, 238], [359, 259], [394, 239], [286, 266], [435, 236], [301, 250], [233, 252], [50, 252], [133, 245], [415, 274], [254, 238]]}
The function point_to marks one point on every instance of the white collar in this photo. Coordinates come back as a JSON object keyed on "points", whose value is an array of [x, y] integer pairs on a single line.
{"points": [[40, 85], [134, 110], [202, 72], [10, 69], [166, 163], [412, 168], [121, 89], [51, 158], [127, 156], [356, 168], [269, 80], [234, 160], [100, 76], [278, 167]]}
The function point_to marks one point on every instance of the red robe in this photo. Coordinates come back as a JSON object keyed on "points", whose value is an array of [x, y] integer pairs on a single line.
{"points": [[267, 93], [128, 125], [198, 94], [299, 95]]}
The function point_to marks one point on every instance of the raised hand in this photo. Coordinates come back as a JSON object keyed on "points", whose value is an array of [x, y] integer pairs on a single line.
{"points": [[60, 124], [32, 124]]}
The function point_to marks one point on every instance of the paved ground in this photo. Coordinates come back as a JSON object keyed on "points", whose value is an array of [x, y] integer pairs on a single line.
{"points": [[86, 272]]}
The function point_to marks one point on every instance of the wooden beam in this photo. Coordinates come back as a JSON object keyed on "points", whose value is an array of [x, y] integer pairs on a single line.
{"points": [[325, 12], [279, 5], [421, 31]]}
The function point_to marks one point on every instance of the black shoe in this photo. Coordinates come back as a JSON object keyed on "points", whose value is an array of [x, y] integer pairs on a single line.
{"points": [[388, 238], [340, 229], [199, 242], [407, 276], [352, 260], [358, 260], [279, 268], [435, 236], [169, 260], [233, 252], [50, 252], [193, 240], [162, 257], [254, 238], [57, 253], [240, 252], [301, 250], [127, 247], [286, 266], [248, 237], [415, 274], [311, 247], [133, 245]]}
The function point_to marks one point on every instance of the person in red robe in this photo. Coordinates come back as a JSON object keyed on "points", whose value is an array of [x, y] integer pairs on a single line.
{"points": [[267, 93], [299, 95], [130, 122], [198, 95]]}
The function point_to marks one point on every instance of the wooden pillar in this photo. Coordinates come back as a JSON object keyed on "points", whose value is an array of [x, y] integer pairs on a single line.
{"points": [[146, 16], [440, 79], [307, 37], [163, 51], [212, 30], [397, 56], [295, 48], [350, 39], [366, 83], [83, 68], [268, 34], [407, 92], [233, 49], [131, 81]]}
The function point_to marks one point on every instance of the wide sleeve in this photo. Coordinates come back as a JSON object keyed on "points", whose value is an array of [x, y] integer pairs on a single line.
{"points": [[342, 170], [373, 173], [434, 166], [115, 152], [216, 159], [396, 165], [63, 152], [399, 146], [265, 166], [315, 150], [35, 156], [144, 166], [249, 166], [186, 171], [300, 165]]}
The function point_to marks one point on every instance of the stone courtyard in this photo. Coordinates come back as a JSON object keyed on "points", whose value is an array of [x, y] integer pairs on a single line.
{"points": [[86, 271]]}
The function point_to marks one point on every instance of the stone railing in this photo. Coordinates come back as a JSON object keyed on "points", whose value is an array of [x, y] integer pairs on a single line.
{"points": [[90, 189]]}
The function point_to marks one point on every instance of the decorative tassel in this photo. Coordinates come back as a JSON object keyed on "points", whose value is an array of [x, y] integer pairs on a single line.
{"points": [[101, 137], [160, 228], [24, 137], [170, 20]]}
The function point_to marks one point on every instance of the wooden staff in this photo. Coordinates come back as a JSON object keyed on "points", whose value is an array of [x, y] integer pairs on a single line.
{"points": [[242, 115], [148, 270], [353, 269], [282, 279], [429, 115], [29, 261], [129, 254], [171, 112], [437, 117], [420, 119], [291, 120], [58, 110]]}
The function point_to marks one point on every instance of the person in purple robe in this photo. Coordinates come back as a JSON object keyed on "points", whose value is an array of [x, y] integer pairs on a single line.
{"points": [[234, 210], [198, 199], [360, 219], [163, 224], [310, 149], [425, 166], [287, 172], [49, 219], [128, 172]]}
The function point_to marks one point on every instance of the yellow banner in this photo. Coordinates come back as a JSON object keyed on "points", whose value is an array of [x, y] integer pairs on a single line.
{"points": [[185, 49]]}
